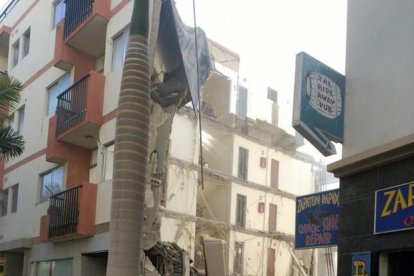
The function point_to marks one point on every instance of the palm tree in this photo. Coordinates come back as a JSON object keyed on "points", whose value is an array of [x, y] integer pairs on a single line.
{"points": [[11, 142], [131, 151]]}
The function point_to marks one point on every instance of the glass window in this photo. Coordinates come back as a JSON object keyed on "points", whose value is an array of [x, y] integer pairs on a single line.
{"points": [[119, 50], [55, 90], [243, 163], [241, 211], [20, 125], [59, 11], [16, 50], [54, 268], [15, 198], [4, 202], [26, 43], [109, 162], [52, 183]]}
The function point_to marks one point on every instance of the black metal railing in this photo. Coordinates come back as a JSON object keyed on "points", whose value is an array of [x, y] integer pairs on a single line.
{"points": [[64, 212], [71, 106], [76, 12]]}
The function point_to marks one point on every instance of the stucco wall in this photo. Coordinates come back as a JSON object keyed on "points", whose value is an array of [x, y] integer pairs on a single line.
{"points": [[379, 66]]}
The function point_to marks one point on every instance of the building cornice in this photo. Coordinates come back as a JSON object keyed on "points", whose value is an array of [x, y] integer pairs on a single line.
{"points": [[374, 157]]}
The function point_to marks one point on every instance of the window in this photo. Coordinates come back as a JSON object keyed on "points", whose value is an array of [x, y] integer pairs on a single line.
{"points": [[26, 42], [59, 11], [54, 268], [4, 202], [15, 198], [119, 50], [55, 90], [51, 183], [241, 108], [20, 125], [241, 211], [274, 174], [243, 162], [109, 162], [272, 94], [16, 50]]}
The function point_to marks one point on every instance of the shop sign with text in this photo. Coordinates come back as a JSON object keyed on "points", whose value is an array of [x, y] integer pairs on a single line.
{"points": [[317, 220], [361, 264], [318, 107], [394, 208]]}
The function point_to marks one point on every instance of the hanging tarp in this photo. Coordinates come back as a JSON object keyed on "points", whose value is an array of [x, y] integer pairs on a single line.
{"points": [[177, 48]]}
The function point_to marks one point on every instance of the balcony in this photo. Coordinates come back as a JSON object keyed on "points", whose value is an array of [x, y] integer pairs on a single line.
{"points": [[85, 25], [71, 214], [79, 111]]}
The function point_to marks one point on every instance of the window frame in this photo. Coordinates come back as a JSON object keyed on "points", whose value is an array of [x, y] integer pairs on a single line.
{"points": [[123, 36], [57, 7], [4, 202], [61, 86], [14, 198], [26, 43], [241, 210], [41, 198], [243, 163], [15, 53], [20, 120], [105, 171]]}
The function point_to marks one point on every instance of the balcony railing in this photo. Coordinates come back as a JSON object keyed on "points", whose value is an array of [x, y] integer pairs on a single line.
{"points": [[77, 11], [64, 212], [71, 107]]}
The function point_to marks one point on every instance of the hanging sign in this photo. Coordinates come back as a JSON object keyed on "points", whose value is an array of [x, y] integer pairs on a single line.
{"points": [[318, 112], [317, 220]]}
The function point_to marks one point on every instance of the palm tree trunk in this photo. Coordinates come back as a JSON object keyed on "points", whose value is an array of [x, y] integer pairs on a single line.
{"points": [[131, 152]]}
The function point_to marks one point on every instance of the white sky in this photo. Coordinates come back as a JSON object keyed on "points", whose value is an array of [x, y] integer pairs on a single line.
{"points": [[269, 33], [2, 3]]}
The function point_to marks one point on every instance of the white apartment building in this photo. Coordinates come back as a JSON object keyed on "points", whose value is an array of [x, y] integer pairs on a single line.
{"points": [[251, 177], [252, 170]]}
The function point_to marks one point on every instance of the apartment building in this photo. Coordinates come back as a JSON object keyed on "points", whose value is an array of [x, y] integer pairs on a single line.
{"points": [[56, 197], [252, 173], [70, 53]]}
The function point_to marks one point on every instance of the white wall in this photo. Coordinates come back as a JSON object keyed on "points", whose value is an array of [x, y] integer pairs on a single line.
{"points": [[42, 40], [25, 223], [255, 254], [260, 221], [379, 66]]}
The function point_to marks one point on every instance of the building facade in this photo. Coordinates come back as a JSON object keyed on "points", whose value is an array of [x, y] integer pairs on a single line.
{"points": [[56, 197], [252, 175], [378, 141]]}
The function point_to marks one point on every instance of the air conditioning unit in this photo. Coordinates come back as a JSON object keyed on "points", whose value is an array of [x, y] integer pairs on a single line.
{"points": [[261, 207]]}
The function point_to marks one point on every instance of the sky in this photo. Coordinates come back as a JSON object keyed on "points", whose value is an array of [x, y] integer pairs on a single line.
{"points": [[269, 33]]}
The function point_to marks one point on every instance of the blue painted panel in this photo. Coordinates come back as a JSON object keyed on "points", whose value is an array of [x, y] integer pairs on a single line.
{"points": [[394, 210], [317, 220], [361, 264]]}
